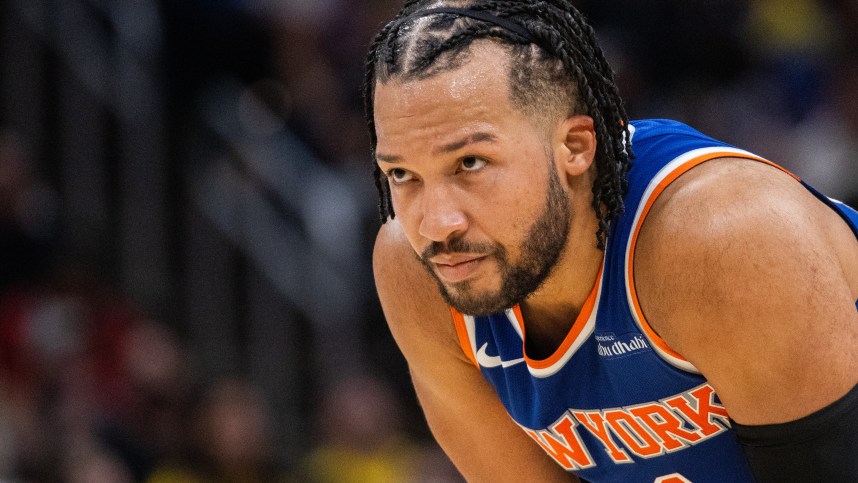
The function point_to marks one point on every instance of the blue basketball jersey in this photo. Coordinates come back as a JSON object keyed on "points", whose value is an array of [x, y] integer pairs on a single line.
{"points": [[614, 403]]}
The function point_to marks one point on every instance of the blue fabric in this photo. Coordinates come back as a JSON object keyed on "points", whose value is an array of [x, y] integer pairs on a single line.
{"points": [[616, 376]]}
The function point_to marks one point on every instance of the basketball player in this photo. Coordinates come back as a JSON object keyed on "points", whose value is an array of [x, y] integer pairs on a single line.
{"points": [[578, 294]]}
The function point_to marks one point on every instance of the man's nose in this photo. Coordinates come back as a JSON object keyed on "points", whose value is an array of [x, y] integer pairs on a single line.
{"points": [[443, 217]]}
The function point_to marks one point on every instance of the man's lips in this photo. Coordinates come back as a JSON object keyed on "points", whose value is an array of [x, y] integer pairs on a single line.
{"points": [[456, 267]]}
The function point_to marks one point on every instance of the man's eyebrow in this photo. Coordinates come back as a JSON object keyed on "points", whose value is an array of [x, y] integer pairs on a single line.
{"points": [[479, 137], [387, 158]]}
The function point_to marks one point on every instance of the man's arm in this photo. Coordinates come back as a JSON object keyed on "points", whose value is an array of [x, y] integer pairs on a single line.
{"points": [[463, 411], [754, 281]]}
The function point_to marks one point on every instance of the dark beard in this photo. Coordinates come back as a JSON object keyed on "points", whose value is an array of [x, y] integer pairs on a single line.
{"points": [[540, 251]]}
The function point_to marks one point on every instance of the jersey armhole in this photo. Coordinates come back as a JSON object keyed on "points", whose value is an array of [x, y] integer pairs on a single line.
{"points": [[465, 335], [667, 175]]}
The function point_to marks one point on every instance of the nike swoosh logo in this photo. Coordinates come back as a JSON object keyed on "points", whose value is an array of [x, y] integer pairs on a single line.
{"points": [[489, 362]]}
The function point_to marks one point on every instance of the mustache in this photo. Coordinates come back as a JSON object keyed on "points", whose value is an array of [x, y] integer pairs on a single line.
{"points": [[456, 245]]}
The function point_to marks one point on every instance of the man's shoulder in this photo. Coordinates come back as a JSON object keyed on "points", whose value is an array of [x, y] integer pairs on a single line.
{"points": [[395, 264], [390, 242], [718, 197], [745, 273], [741, 204], [420, 321], [724, 233]]}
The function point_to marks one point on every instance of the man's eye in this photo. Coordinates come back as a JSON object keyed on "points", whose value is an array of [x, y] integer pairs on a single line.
{"points": [[399, 175], [472, 163]]}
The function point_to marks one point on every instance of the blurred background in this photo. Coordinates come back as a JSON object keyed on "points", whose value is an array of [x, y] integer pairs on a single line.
{"points": [[187, 213]]}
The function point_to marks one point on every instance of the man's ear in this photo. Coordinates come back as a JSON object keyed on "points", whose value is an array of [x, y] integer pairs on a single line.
{"points": [[575, 145]]}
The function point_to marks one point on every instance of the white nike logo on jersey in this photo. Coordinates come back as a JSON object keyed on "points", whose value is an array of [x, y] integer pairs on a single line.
{"points": [[489, 362]]}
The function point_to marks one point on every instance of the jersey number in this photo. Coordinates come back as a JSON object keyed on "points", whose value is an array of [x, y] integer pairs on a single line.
{"points": [[672, 478]]}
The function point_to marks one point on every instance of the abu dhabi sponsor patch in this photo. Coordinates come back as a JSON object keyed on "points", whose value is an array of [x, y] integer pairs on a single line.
{"points": [[614, 346]]}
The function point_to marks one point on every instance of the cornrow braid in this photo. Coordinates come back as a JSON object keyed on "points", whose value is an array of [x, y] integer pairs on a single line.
{"points": [[559, 58]]}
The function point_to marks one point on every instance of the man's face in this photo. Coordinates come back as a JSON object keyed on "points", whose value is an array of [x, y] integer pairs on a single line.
{"points": [[473, 182]]}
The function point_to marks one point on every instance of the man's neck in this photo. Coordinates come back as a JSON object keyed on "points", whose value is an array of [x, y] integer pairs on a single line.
{"points": [[550, 312]]}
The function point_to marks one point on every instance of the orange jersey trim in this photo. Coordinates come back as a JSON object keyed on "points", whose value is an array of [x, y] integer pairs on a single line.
{"points": [[463, 336], [577, 327]]}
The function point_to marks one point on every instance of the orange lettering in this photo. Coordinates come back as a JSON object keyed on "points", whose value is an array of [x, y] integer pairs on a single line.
{"points": [[633, 435], [595, 423], [665, 425], [568, 450], [706, 411]]}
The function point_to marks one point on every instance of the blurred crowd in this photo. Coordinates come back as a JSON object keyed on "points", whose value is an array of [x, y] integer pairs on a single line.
{"points": [[777, 77], [93, 388]]}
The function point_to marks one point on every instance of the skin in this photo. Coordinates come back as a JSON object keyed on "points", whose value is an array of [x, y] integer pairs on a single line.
{"points": [[777, 296], [771, 320]]}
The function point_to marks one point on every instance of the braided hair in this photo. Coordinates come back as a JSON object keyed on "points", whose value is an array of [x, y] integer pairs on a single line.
{"points": [[557, 61]]}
